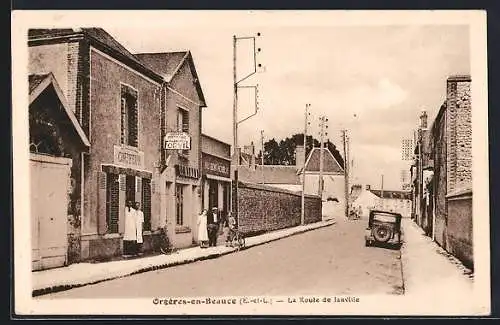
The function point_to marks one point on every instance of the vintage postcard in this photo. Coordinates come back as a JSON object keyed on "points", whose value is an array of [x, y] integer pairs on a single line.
{"points": [[250, 163]]}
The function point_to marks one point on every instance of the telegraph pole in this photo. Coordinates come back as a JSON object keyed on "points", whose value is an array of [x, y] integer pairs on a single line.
{"points": [[236, 153], [322, 124], [346, 172], [262, 155], [306, 122]]}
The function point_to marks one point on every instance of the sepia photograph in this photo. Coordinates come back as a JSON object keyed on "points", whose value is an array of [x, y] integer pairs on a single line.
{"points": [[250, 163]]}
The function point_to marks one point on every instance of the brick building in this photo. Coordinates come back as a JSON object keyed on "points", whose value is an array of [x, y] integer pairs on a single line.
{"points": [[442, 172]]}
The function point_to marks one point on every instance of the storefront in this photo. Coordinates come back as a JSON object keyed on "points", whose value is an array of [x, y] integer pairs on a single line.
{"points": [[217, 183]]}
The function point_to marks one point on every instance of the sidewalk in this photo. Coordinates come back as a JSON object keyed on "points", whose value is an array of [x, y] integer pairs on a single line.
{"points": [[434, 275], [81, 274]]}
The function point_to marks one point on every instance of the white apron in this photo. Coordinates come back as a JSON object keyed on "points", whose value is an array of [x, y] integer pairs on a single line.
{"points": [[139, 222], [130, 232]]}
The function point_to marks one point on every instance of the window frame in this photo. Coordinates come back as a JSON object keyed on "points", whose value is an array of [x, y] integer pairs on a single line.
{"points": [[132, 92]]}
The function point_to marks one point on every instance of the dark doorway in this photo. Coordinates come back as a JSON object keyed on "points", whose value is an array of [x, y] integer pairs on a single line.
{"points": [[130, 188], [213, 194]]}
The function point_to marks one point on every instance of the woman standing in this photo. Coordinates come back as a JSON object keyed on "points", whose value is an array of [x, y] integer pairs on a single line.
{"points": [[130, 233], [139, 215], [202, 229]]}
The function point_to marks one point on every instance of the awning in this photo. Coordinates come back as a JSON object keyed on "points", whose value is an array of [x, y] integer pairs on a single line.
{"points": [[218, 178]]}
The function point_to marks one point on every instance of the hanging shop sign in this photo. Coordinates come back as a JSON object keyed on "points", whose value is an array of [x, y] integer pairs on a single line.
{"points": [[128, 157], [177, 141]]}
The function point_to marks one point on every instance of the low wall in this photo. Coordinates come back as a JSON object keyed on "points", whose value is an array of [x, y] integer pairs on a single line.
{"points": [[459, 227], [265, 208]]}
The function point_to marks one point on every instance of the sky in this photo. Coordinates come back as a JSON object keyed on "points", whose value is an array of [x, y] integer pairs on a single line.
{"points": [[372, 80]]}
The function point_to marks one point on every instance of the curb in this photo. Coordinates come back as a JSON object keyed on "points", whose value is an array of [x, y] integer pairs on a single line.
{"points": [[65, 287]]}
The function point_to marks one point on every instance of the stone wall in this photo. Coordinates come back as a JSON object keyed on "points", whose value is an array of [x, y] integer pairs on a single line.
{"points": [[264, 208], [459, 133], [459, 228]]}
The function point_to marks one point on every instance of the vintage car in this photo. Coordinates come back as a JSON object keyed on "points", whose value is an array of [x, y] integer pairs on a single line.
{"points": [[383, 227]]}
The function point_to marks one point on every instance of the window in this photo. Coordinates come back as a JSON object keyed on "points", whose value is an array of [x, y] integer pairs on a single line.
{"points": [[129, 116], [179, 201], [146, 202], [112, 202], [182, 120], [183, 126]]}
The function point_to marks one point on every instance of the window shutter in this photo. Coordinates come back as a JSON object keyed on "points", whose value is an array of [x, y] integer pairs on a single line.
{"points": [[138, 184], [102, 180], [135, 126], [122, 180], [185, 121], [123, 125]]}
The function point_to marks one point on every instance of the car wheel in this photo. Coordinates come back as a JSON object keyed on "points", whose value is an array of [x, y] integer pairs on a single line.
{"points": [[382, 233]]}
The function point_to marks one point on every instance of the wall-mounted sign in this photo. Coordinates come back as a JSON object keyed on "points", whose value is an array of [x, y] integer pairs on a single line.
{"points": [[177, 141], [128, 157], [216, 166]]}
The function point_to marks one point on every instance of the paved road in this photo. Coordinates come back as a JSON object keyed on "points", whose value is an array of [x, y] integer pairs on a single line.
{"points": [[326, 261]]}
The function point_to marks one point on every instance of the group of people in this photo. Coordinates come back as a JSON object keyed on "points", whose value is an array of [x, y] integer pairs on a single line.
{"points": [[210, 224], [132, 237]]}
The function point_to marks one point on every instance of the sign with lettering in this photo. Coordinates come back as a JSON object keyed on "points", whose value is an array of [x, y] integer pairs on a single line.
{"points": [[216, 166], [177, 141], [128, 157]]}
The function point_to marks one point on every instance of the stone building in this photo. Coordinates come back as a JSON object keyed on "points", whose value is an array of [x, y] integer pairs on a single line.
{"points": [[180, 181], [126, 106], [117, 101], [442, 173]]}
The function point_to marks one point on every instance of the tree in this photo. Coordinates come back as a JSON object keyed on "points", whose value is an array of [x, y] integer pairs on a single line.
{"points": [[283, 153]]}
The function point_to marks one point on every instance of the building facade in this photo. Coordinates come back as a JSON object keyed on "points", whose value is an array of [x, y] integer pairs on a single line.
{"points": [[442, 173], [216, 171], [126, 108]]}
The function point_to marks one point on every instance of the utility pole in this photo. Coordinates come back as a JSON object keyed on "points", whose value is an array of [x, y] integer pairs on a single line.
{"points": [[322, 124], [262, 155], [236, 152], [306, 122], [346, 172]]}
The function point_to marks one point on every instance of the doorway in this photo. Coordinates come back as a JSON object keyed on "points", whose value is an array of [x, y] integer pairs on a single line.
{"points": [[49, 177]]}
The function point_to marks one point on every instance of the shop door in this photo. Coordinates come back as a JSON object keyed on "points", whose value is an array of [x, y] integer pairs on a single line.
{"points": [[49, 203], [130, 188], [213, 194]]}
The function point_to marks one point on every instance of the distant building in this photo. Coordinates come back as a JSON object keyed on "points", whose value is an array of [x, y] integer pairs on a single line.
{"points": [[290, 177], [388, 200]]}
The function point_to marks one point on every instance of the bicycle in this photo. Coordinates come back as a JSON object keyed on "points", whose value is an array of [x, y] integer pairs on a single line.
{"points": [[237, 240]]}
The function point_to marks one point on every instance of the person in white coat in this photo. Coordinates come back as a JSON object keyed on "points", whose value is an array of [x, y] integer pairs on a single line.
{"points": [[139, 219], [202, 229], [130, 233]]}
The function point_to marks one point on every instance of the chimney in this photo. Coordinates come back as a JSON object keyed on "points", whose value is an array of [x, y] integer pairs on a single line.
{"points": [[423, 120], [368, 187], [299, 157]]}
